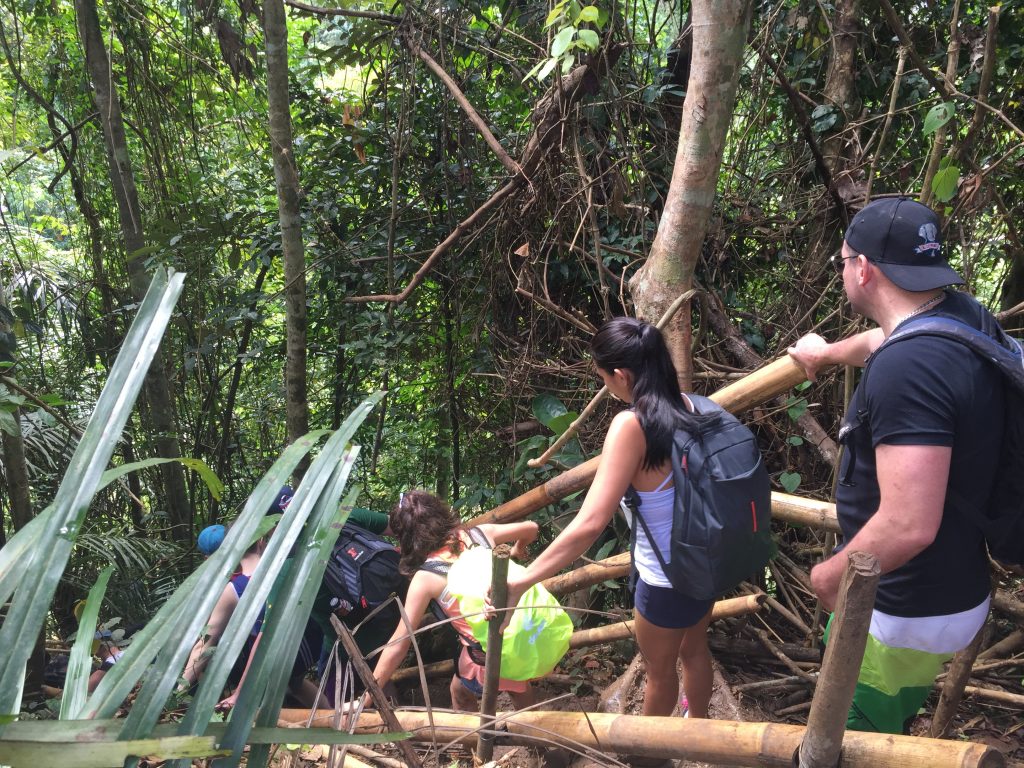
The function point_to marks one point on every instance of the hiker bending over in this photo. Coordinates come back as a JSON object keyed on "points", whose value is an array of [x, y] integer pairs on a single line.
{"points": [[430, 534], [208, 542], [634, 363], [922, 435]]}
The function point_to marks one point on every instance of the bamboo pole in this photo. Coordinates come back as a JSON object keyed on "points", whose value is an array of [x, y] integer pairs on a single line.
{"points": [[761, 385], [790, 509], [720, 742], [820, 515], [833, 695], [614, 567], [953, 688], [736, 606], [492, 665]]}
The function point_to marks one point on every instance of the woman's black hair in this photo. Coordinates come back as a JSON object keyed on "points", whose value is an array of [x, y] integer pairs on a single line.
{"points": [[637, 346]]}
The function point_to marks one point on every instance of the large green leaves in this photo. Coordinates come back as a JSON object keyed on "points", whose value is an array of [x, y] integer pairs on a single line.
{"points": [[40, 569]]}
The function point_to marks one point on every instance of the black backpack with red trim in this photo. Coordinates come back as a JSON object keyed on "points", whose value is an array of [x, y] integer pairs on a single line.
{"points": [[362, 571]]}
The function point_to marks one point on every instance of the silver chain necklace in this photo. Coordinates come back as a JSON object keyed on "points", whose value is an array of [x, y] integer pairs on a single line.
{"points": [[931, 302]]}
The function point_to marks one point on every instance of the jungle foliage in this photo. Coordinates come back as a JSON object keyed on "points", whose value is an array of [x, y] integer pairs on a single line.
{"points": [[482, 350]]}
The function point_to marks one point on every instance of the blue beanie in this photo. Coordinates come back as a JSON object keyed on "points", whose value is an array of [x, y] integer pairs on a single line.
{"points": [[210, 538]]}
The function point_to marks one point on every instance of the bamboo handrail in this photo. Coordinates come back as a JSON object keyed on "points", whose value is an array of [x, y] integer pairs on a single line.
{"points": [[736, 606], [761, 385], [712, 741]]}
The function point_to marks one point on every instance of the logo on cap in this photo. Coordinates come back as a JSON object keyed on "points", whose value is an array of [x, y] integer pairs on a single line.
{"points": [[929, 233]]}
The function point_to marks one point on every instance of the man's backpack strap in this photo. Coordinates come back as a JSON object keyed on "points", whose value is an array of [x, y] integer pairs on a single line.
{"points": [[1003, 523]]}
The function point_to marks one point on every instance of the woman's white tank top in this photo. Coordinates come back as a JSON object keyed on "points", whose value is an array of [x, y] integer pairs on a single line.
{"points": [[657, 508]]}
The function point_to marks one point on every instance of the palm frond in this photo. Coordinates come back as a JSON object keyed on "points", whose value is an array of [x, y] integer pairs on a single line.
{"points": [[45, 562]]}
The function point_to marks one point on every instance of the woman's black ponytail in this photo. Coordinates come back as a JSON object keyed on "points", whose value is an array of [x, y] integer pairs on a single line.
{"points": [[639, 347]]}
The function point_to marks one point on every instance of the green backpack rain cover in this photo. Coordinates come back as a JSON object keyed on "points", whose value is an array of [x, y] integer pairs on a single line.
{"points": [[537, 637]]}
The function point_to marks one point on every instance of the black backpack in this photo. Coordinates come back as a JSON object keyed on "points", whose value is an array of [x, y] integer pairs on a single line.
{"points": [[1002, 522], [721, 522], [362, 571]]}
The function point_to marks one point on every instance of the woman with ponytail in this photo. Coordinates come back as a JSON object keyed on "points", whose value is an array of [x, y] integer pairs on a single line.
{"points": [[634, 363]]}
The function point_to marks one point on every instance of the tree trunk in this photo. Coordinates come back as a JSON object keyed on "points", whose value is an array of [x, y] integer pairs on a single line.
{"points": [[16, 474], [122, 181], [15, 467], [719, 37], [286, 175]]}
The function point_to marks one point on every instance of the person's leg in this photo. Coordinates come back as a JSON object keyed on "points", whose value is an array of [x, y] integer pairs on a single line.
{"points": [[660, 648], [523, 699], [462, 699], [697, 673]]}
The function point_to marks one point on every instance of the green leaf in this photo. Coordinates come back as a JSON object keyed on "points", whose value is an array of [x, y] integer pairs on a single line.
{"points": [[559, 424], [790, 481], [555, 15], [562, 41], [795, 440], [796, 407], [546, 68], [36, 577], [588, 14], [938, 116], [944, 182], [8, 423], [76, 683], [547, 408], [606, 549], [589, 40], [198, 466]]}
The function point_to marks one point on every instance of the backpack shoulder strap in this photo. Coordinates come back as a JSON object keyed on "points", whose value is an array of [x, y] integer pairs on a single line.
{"points": [[436, 566], [478, 537], [1002, 350]]}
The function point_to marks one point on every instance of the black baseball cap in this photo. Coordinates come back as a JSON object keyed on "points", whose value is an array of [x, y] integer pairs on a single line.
{"points": [[901, 236]]}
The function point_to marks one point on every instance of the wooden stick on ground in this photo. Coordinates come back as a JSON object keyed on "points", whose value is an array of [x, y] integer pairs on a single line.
{"points": [[953, 689], [826, 723], [775, 651], [379, 699]]}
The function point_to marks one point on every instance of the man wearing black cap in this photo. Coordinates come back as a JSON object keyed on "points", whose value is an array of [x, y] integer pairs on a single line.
{"points": [[921, 440]]}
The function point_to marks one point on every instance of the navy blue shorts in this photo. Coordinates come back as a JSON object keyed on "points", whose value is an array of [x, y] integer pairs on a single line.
{"points": [[665, 607]]}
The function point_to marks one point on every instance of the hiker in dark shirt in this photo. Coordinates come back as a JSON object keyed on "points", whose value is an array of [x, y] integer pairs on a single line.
{"points": [[922, 439]]}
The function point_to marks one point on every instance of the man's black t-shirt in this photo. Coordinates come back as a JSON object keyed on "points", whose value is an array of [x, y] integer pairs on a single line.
{"points": [[928, 390]]}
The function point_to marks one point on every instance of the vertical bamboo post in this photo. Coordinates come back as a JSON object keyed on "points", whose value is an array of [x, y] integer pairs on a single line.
{"points": [[953, 688], [492, 667], [826, 722], [373, 688]]}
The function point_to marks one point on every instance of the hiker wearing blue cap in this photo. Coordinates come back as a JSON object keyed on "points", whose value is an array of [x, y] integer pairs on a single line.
{"points": [[922, 437], [210, 538]]}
